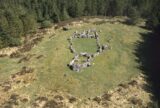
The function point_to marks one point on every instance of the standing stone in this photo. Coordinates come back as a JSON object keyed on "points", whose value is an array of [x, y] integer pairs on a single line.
{"points": [[76, 67], [72, 49], [104, 47]]}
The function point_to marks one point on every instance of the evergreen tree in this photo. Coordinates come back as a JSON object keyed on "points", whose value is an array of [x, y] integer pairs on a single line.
{"points": [[88, 7], [133, 15], [29, 23], [15, 24]]}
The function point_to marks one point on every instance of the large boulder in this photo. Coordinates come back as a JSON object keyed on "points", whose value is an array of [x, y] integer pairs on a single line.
{"points": [[76, 67]]}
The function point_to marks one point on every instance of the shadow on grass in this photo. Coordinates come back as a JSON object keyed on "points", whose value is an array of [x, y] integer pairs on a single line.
{"points": [[148, 54]]}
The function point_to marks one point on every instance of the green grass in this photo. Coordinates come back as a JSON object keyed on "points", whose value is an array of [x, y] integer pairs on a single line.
{"points": [[85, 45], [110, 68]]}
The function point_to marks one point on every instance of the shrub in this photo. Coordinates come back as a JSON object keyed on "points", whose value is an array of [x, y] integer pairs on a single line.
{"points": [[55, 18], [133, 15], [7, 40], [14, 41], [29, 23], [46, 24], [1, 44], [152, 22]]}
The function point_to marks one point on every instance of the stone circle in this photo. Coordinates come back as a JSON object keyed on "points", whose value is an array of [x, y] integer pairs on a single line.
{"points": [[74, 63]]}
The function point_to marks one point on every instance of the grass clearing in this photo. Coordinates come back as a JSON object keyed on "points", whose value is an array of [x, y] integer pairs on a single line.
{"points": [[110, 68], [85, 45]]}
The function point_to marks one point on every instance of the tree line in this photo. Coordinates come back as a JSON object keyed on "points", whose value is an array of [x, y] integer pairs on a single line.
{"points": [[20, 17]]}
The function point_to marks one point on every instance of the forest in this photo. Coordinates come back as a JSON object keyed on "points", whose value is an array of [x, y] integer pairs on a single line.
{"points": [[20, 17]]}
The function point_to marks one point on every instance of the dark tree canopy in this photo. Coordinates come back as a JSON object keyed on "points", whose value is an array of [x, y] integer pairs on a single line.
{"points": [[19, 17]]}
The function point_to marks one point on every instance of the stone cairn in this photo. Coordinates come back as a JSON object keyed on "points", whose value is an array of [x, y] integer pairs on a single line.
{"points": [[75, 64]]}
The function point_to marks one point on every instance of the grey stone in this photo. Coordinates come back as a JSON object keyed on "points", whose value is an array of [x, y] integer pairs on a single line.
{"points": [[96, 54], [72, 49], [86, 64], [83, 53], [76, 67], [99, 50], [104, 47]]}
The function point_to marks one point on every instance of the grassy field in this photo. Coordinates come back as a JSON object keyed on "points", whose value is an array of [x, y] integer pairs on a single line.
{"points": [[110, 68], [85, 45]]}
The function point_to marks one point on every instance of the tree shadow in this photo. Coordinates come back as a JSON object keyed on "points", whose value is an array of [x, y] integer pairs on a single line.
{"points": [[148, 55]]}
